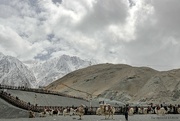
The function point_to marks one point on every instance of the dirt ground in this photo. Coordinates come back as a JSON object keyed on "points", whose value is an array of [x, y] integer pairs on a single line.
{"points": [[101, 118]]}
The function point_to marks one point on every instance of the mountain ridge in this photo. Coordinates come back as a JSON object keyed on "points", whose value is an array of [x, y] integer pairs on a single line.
{"points": [[57, 67], [121, 82], [35, 73], [13, 72]]}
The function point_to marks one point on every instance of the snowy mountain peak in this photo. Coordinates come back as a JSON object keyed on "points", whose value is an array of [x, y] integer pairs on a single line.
{"points": [[13, 72], [56, 68]]}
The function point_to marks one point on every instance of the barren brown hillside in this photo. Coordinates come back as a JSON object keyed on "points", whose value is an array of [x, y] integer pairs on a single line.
{"points": [[121, 82]]}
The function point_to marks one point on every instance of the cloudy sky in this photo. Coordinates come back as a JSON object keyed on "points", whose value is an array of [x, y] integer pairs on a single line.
{"points": [[134, 32]]}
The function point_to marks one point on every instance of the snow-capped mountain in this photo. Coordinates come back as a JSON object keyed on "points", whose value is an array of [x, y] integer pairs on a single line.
{"points": [[56, 68], [13, 72]]}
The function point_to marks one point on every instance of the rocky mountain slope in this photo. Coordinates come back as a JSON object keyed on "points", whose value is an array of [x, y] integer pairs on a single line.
{"points": [[13, 72], [122, 83], [56, 68], [34, 73]]}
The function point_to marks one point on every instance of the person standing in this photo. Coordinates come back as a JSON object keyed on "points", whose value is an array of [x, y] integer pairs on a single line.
{"points": [[126, 112]]}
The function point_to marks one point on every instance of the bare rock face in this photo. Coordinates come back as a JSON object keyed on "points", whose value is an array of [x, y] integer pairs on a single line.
{"points": [[122, 83]]}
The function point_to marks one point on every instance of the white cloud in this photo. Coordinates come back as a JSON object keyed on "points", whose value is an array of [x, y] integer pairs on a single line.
{"points": [[137, 32], [10, 39], [152, 35]]}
